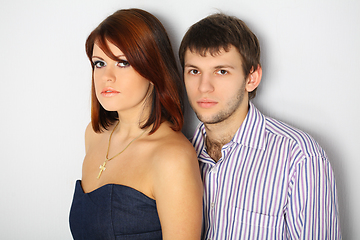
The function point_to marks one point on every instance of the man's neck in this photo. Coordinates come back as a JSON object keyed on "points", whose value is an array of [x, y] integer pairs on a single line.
{"points": [[214, 146], [219, 134]]}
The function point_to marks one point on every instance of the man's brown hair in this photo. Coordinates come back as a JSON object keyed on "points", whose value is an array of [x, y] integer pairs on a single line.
{"points": [[220, 31]]}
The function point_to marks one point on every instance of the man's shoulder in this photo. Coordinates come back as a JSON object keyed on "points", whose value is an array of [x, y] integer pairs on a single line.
{"points": [[298, 138], [198, 138]]}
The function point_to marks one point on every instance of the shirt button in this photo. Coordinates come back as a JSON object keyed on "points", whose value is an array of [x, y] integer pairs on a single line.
{"points": [[212, 205], [214, 169]]}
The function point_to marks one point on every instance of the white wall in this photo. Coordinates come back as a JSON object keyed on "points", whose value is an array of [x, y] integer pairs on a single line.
{"points": [[311, 64]]}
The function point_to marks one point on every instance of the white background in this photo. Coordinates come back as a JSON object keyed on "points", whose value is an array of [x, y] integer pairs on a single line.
{"points": [[311, 66]]}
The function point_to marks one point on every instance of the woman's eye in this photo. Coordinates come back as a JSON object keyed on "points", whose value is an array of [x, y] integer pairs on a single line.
{"points": [[193, 71], [99, 64], [123, 63]]}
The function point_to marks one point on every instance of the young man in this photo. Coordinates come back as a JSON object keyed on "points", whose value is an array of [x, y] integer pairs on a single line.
{"points": [[262, 178]]}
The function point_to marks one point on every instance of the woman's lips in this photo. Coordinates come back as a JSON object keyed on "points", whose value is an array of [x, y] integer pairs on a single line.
{"points": [[109, 92]]}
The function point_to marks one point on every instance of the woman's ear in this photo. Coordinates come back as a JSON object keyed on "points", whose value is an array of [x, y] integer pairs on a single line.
{"points": [[254, 79]]}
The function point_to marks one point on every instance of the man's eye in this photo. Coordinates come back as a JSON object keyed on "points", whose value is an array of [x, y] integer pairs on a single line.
{"points": [[123, 63], [99, 64], [222, 72], [193, 71]]}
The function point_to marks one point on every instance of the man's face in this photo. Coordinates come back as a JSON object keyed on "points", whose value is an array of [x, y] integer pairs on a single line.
{"points": [[215, 85]]}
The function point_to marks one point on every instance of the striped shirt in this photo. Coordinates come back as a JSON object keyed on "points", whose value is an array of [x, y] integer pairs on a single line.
{"points": [[272, 182]]}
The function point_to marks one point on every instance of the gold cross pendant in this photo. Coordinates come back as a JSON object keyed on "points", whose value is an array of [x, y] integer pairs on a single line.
{"points": [[102, 168]]}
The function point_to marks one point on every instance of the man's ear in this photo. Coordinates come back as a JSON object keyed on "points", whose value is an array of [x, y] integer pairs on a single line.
{"points": [[254, 79]]}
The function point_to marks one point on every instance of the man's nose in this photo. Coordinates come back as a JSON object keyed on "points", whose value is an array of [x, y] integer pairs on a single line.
{"points": [[206, 83]]}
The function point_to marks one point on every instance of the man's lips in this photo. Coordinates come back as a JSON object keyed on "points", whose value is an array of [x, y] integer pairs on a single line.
{"points": [[109, 92], [206, 103]]}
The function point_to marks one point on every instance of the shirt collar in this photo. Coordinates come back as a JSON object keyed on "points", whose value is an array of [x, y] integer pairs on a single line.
{"points": [[250, 134], [252, 131]]}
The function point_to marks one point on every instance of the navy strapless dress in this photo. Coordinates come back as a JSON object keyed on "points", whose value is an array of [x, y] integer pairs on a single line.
{"points": [[113, 212]]}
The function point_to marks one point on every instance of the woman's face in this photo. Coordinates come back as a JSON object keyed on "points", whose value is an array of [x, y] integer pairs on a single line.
{"points": [[118, 86]]}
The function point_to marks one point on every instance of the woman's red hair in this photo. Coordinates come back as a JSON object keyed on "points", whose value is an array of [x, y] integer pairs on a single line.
{"points": [[146, 45]]}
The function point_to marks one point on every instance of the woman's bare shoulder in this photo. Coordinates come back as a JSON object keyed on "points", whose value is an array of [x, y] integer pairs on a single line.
{"points": [[172, 144], [177, 186], [90, 136], [174, 154]]}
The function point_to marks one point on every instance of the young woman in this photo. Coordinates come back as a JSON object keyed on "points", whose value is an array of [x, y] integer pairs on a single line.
{"points": [[140, 175]]}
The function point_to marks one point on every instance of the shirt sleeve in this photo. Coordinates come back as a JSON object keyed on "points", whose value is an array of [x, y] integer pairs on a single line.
{"points": [[312, 207]]}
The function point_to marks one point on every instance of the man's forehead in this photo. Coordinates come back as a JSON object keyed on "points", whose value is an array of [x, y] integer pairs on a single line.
{"points": [[205, 52], [230, 55]]}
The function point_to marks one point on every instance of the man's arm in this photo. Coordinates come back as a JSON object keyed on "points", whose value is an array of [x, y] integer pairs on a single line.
{"points": [[312, 211]]}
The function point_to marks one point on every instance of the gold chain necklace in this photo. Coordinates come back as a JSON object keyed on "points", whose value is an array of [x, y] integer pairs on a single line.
{"points": [[102, 167]]}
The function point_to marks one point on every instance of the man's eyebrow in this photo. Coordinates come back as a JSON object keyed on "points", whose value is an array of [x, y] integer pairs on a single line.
{"points": [[224, 66], [216, 67], [190, 66]]}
